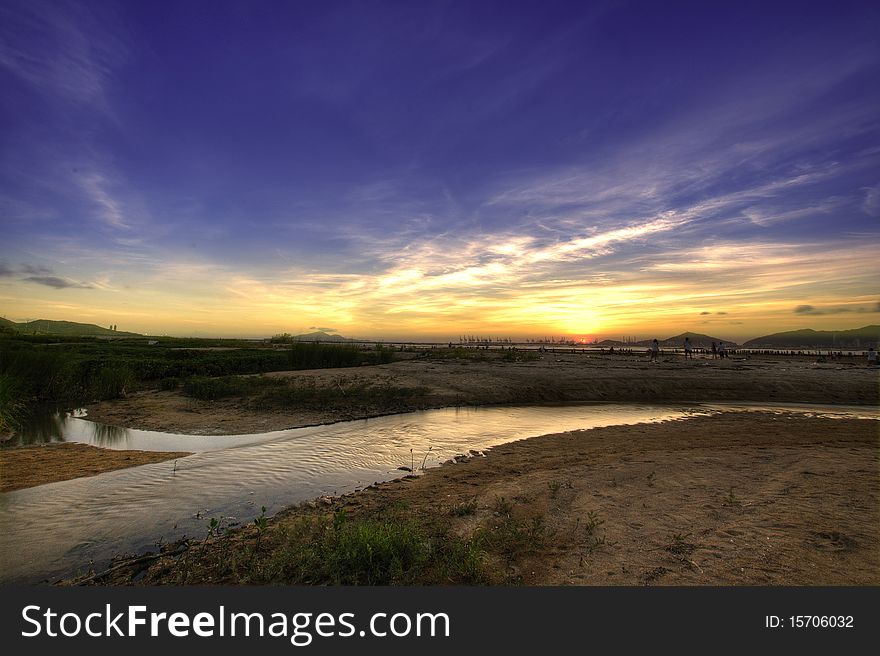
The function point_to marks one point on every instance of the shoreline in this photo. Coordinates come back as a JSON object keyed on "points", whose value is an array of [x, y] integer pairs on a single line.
{"points": [[758, 407], [736, 498]]}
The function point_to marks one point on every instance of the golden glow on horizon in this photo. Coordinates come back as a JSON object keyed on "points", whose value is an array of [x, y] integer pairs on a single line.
{"points": [[508, 286], [516, 318]]}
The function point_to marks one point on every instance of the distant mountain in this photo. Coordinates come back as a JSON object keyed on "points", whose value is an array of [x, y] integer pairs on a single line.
{"points": [[63, 328], [319, 337], [855, 338], [698, 340]]}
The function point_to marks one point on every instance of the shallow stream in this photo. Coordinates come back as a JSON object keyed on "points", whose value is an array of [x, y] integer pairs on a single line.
{"points": [[48, 530]]}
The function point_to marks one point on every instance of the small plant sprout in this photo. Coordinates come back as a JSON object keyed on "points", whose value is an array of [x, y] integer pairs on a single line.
{"points": [[593, 522], [731, 499], [339, 519], [555, 486], [213, 528], [261, 523], [502, 506], [594, 541], [465, 508], [425, 459]]}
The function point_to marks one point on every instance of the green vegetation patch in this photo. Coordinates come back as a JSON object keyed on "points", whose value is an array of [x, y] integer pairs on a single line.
{"points": [[168, 359], [267, 393], [336, 550], [373, 552], [70, 370]]}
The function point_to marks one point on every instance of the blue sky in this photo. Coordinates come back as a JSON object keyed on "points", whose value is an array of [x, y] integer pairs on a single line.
{"points": [[438, 168]]}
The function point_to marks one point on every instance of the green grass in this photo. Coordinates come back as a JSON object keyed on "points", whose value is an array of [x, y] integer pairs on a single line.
{"points": [[338, 550], [211, 389], [390, 545], [464, 509], [368, 552], [44, 375], [513, 538], [520, 356], [460, 353]]}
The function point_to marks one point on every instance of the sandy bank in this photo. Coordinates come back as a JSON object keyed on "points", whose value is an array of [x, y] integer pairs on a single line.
{"points": [[27, 466]]}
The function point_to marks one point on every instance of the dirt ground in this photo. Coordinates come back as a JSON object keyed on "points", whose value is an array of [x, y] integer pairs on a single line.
{"points": [[562, 377], [27, 466], [738, 498]]}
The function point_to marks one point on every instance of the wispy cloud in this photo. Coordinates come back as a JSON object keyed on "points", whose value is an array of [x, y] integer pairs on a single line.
{"points": [[871, 205], [36, 270], [40, 275], [57, 283], [840, 309], [109, 208], [63, 49]]}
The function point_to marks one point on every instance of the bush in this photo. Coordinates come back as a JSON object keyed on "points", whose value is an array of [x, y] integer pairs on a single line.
{"points": [[169, 383], [110, 382], [66, 370], [12, 408], [307, 355], [209, 389], [382, 355]]}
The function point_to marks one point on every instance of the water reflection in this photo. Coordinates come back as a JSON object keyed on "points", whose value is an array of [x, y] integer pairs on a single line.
{"points": [[107, 436], [46, 424], [43, 425]]}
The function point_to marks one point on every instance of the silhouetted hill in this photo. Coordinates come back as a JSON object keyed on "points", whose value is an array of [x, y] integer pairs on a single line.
{"points": [[698, 340], [319, 337], [65, 328], [807, 338], [7, 326]]}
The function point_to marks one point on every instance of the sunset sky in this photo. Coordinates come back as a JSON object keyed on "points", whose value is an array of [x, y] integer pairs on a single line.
{"points": [[433, 169]]}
